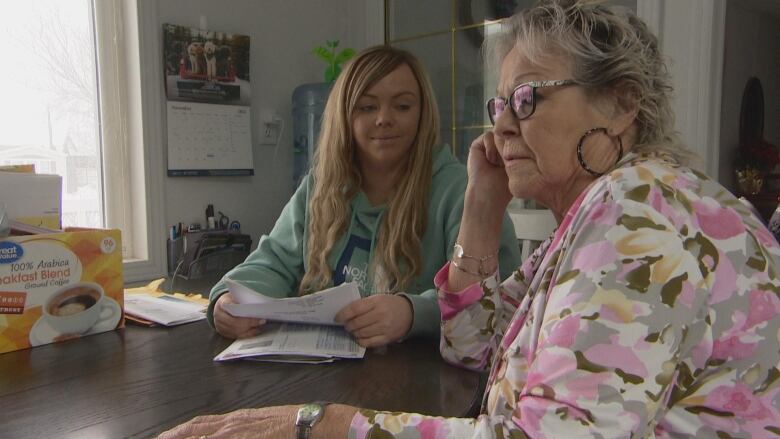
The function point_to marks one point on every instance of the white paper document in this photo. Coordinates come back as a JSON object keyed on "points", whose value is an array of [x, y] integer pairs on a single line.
{"points": [[165, 310], [295, 343], [320, 307]]}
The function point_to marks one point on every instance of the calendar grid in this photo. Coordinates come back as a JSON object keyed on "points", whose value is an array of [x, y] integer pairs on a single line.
{"points": [[209, 139]]}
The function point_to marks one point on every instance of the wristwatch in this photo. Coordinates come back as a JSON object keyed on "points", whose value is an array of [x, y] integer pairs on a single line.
{"points": [[308, 415]]}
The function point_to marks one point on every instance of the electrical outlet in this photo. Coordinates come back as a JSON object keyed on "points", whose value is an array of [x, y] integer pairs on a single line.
{"points": [[269, 133]]}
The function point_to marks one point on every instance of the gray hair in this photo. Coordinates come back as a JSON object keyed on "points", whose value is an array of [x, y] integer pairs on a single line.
{"points": [[607, 46]]}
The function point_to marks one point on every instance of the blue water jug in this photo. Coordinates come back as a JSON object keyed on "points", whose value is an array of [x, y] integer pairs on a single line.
{"points": [[308, 104]]}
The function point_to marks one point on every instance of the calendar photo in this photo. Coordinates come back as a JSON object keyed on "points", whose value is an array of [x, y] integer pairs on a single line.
{"points": [[205, 66]]}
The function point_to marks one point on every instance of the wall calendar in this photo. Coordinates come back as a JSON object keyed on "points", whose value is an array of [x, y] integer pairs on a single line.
{"points": [[207, 86], [209, 139]]}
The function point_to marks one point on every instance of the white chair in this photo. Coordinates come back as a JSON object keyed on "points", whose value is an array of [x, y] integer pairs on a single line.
{"points": [[532, 226]]}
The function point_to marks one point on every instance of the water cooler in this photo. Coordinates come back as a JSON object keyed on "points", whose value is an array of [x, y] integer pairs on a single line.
{"points": [[308, 104]]}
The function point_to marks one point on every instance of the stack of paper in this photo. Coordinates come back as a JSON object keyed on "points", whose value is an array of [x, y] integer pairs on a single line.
{"points": [[164, 309], [295, 343], [149, 305], [309, 333], [320, 307]]}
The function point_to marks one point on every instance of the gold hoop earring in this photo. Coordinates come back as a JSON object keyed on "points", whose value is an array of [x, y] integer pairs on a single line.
{"points": [[582, 140]]}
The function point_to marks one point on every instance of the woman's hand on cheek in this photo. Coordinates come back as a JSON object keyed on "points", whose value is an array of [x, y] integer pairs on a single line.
{"points": [[270, 422], [487, 176], [492, 153], [377, 320]]}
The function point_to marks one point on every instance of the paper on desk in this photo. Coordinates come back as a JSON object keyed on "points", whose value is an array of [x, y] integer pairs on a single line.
{"points": [[320, 307], [165, 310], [295, 343]]}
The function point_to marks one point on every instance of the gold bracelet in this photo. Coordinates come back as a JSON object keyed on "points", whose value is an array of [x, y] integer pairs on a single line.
{"points": [[458, 253], [473, 273]]}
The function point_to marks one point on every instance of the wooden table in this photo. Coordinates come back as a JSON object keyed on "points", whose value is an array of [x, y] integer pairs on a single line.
{"points": [[137, 382]]}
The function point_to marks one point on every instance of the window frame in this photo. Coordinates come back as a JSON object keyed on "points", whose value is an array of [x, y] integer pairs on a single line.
{"points": [[130, 119]]}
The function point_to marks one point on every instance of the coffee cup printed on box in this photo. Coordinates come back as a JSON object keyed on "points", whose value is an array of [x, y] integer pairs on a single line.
{"points": [[75, 308]]}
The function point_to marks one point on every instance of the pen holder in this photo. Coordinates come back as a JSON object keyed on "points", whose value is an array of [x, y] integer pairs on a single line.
{"points": [[219, 262], [196, 254], [175, 253]]}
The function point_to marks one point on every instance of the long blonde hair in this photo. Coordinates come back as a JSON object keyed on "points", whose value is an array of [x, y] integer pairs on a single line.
{"points": [[337, 177]]}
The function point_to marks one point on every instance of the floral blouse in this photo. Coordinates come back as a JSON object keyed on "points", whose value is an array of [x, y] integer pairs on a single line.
{"points": [[652, 312]]}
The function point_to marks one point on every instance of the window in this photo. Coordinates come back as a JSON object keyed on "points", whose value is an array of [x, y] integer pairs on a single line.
{"points": [[72, 95], [446, 35], [52, 121]]}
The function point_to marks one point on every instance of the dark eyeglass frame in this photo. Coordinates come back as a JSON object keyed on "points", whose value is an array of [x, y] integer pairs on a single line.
{"points": [[512, 96]]}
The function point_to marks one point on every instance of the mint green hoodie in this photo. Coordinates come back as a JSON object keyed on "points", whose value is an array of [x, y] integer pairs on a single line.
{"points": [[277, 266]]}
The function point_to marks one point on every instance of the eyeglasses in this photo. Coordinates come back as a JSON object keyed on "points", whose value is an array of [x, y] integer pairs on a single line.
{"points": [[522, 100]]}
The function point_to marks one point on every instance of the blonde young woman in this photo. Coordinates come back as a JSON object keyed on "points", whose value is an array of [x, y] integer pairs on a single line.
{"points": [[382, 207]]}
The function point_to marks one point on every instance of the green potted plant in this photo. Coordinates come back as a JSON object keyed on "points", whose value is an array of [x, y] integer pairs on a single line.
{"points": [[334, 60]]}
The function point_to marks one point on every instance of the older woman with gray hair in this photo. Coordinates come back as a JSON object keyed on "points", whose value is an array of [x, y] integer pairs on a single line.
{"points": [[652, 311]]}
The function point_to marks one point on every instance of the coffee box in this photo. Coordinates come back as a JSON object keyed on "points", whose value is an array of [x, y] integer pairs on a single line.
{"points": [[34, 199], [58, 286]]}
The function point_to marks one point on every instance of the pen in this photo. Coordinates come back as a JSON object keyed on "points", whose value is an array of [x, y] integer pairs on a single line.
{"points": [[210, 216], [173, 233]]}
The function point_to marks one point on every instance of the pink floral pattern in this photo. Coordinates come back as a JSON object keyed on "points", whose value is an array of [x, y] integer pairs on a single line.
{"points": [[653, 312]]}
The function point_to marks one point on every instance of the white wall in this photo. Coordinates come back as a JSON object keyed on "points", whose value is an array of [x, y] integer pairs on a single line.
{"points": [[691, 34], [283, 34], [752, 48]]}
